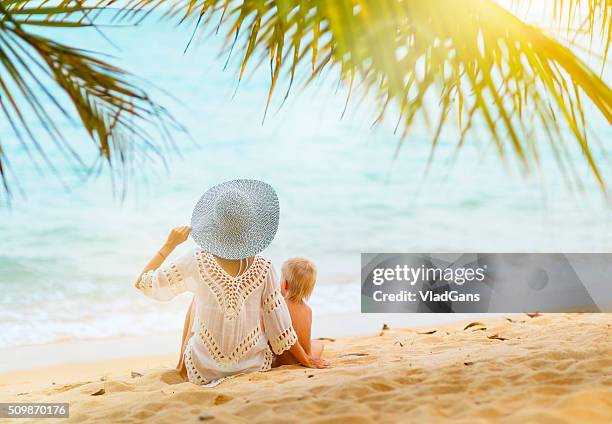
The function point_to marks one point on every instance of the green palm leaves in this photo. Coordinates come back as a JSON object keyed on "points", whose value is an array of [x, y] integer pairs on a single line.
{"points": [[463, 63], [432, 58], [113, 111]]}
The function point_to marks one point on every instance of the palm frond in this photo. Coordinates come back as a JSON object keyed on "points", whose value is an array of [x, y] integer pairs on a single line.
{"points": [[590, 18], [474, 57], [111, 108]]}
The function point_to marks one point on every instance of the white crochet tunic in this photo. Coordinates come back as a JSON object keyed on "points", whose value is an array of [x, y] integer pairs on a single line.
{"points": [[228, 337]]}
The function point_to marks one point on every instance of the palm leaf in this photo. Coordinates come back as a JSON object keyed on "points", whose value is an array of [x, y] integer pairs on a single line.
{"points": [[111, 108], [428, 58], [575, 18], [471, 57]]}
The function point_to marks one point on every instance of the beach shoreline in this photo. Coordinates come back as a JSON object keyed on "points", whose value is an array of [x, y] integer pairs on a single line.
{"points": [[516, 368], [91, 350]]}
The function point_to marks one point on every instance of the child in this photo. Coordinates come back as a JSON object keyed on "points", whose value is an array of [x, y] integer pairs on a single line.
{"points": [[298, 277]]}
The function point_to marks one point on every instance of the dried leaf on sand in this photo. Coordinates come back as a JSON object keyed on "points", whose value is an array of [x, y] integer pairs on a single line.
{"points": [[496, 337], [474, 324]]}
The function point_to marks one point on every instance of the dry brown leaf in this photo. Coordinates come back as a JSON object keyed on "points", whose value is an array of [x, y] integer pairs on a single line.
{"points": [[473, 324], [496, 337], [99, 392], [135, 374], [427, 332]]}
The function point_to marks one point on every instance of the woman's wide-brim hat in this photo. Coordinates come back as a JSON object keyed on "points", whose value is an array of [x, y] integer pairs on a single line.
{"points": [[236, 219]]}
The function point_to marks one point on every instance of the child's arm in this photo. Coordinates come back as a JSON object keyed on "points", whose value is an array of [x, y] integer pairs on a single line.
{"points": [[305, 359]]}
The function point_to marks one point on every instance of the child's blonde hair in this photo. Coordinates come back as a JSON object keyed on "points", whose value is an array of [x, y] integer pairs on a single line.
{"points": [[301, 275]]}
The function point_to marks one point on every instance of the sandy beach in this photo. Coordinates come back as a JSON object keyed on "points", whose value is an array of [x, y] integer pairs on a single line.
{"points": [[519, 368]]}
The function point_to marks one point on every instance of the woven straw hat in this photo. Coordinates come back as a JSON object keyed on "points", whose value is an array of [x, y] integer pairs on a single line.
{"points": [[236, 219]]}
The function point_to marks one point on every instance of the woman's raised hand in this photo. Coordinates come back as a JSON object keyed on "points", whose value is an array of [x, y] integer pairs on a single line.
{"points": [[178, 235]]}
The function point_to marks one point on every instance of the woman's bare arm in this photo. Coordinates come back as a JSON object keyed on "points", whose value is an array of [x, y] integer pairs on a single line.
{"points": [[177, 236]]}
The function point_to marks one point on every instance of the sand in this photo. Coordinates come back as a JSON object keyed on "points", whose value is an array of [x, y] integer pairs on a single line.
{"points": [[553, 368]]}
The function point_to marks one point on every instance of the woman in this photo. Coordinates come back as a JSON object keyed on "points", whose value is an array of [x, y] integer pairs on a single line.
{"points": [[240, 318]]}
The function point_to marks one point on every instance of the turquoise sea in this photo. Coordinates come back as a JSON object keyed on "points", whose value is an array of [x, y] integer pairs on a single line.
{"points": [[71, 248]]}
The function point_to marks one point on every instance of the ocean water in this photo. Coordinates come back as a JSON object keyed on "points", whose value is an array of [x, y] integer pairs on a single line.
{"points": [[70, 248]]}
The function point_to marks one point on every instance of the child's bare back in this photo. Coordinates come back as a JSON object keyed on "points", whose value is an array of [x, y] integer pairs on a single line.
{"points": [[301, 317]]}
